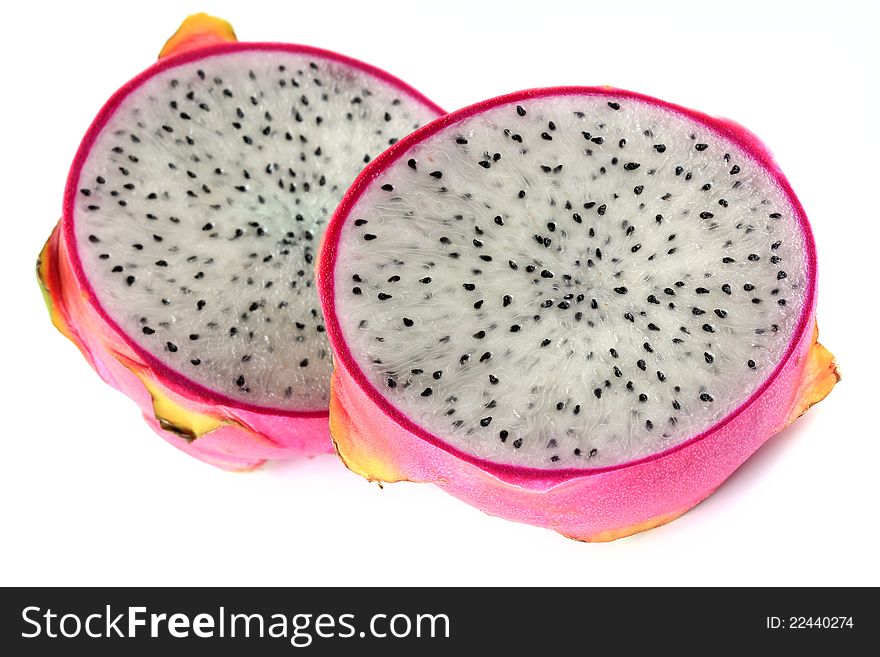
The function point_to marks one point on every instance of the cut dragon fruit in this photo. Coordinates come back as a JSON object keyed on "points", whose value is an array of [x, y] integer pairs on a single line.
{"points": [[182, 265], [580, 308]]}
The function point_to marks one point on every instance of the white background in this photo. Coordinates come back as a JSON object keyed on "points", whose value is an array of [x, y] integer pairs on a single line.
{"points": [[89, 495]]}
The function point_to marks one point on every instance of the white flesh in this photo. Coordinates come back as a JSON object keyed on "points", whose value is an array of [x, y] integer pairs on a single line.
{"points": [[206, 258], [551, 393]]}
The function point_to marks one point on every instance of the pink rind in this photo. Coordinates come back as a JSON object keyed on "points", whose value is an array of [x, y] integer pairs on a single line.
{"points": [[668, 482], [243, 440]]}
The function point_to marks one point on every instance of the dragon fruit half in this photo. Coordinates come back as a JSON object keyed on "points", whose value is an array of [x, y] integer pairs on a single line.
{"points": [[580, 308], [182, 264]]}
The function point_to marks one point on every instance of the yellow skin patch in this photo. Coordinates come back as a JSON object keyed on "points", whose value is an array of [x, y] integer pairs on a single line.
{"points": [[172, 416], [44, 263], [820, 376], [198, 31], [614, 534], [363, 463]]}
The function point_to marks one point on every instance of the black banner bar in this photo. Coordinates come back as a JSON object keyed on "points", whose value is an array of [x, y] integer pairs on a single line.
{"points": [[339, 621]]}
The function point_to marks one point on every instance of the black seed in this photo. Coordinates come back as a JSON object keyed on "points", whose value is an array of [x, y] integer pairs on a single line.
{"points": [[427, 392], [240, 381], [660, 148], [709, 357], [614, 106], [735, 170], [545, 342], [520, 110], [407, 322], [706, 397], [631, 166], [479, 335], [701, 147], [388, 187], [620, 290], [383, 297], [486, 356], [486, 421], [369, 237], [148, 331], [726, 288], [641, 365], [752, 364], [780, 275]]}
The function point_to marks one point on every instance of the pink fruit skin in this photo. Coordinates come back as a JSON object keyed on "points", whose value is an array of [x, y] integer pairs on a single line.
{"points": [[245, 435], [380, 443], [245, 439]]}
